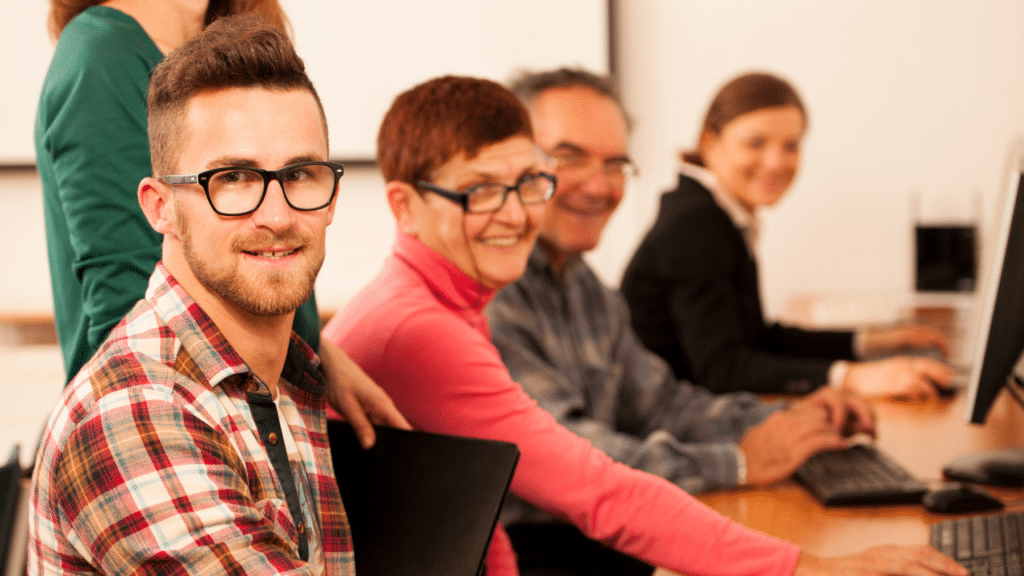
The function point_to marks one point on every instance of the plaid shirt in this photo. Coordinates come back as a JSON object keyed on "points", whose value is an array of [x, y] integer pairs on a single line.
{"points": [[157, 459], [566, 338]]}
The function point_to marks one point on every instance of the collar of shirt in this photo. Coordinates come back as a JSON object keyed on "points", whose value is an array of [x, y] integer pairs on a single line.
{"points": [[456, 289], [214, 357], [748, 224], [539, 260]]}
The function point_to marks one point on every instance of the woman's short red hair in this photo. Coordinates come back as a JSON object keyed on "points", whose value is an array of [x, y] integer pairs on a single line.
{"points": [[435, 121]]}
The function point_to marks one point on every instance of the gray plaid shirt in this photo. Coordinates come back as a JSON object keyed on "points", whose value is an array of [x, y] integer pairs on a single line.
{"points": [[566, 338]]}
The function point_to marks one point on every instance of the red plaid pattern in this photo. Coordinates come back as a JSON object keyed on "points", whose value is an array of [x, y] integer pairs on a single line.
{"points": [[152, 464]]}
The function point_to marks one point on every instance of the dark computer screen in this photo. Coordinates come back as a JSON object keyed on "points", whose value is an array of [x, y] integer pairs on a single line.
{"points": [[1000, 345], [1001, 338], [946, 257]]}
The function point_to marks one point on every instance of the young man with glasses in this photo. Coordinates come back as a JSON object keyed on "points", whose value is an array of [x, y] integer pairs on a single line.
{"points": [[566, 338], [194, 440]]}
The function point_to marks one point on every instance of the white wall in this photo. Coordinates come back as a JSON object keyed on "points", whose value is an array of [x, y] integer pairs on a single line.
{"points": [[921, 95], [352, 55], [357, 241], [359, 55], [24, 276], [915, 94]]}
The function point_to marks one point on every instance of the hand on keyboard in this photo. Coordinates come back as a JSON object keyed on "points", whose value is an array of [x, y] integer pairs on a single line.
{"points": [[849, 413], [821, 421], [786, 439], [882, 561], [902, 377], [905, 336]]}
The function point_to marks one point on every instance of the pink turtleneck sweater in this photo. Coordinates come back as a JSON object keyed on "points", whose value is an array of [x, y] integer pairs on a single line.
{"points": [[418, 330]]}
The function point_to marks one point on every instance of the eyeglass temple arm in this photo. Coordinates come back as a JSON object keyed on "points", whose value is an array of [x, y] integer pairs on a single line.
{"points": [[180, 179]]}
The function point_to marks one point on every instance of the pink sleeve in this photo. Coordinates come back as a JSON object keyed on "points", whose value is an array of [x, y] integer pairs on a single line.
{"points": [[501, 559], [446, 377]]}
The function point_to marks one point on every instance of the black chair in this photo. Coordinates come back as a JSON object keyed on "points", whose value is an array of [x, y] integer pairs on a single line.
{"points": [[10, 499]]}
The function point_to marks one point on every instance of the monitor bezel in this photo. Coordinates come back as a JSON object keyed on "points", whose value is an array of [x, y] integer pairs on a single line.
{"points": [[982, 394]]}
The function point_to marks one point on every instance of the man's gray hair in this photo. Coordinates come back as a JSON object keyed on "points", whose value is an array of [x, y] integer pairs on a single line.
{"points": [[529, 85]]}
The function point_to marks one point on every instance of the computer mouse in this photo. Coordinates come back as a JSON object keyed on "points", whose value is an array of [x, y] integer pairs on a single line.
{"points": [[949, 391], [934, 353], [957, 498]]}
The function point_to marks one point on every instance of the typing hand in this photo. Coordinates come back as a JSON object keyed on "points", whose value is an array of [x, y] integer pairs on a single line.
{"points": [[849, 413], [903, 337], [902, 377], [786, 439], [882, 561]]}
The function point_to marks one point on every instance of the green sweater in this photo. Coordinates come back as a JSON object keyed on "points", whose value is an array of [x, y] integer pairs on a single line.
{"points": [[92, 151]]}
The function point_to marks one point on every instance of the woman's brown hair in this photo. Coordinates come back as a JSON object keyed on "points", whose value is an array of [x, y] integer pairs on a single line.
{"points": [[742, 95]]}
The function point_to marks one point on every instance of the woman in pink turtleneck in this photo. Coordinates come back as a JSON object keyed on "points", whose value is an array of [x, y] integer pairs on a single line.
{"points": [[467, 189]]}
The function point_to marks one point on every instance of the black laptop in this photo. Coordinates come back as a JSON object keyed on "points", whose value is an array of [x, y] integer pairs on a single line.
{"points": [[421, 503]]}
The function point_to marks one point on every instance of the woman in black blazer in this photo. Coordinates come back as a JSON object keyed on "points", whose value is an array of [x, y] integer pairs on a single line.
{"points": [[692, 285]]}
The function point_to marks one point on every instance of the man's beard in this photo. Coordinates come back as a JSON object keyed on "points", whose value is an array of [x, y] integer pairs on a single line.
{"points": [[266, 294]]}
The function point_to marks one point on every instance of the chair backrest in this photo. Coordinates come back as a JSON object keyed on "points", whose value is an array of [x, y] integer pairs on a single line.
{"points": [[10, 497]]}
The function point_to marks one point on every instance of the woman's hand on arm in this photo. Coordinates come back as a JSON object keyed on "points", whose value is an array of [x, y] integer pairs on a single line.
{"points": [[356, 396], [882, 561]]}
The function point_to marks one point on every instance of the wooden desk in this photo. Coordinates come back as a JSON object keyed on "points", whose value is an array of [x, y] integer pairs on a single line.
{"points": [[922, 437]]}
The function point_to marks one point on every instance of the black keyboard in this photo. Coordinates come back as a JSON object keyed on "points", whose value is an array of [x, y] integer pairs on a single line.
{"points": [[859, 475], [987, 545]]}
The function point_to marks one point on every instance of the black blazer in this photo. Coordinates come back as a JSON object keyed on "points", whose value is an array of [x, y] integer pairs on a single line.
{"points": [[693, 291]]}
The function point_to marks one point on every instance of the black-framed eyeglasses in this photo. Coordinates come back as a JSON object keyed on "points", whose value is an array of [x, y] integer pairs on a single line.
{"points": [[237, 191], [491, 196], [578, 164]]}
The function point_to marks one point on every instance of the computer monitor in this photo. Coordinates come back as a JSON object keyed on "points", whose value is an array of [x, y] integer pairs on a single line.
{"points": [[998, 359]]}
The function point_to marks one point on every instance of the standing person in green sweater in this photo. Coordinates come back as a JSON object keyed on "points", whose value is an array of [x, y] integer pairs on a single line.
{"points": [[92, 151]]}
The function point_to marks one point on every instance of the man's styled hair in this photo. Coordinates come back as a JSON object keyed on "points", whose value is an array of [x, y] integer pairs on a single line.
{"points": [[741, 95], [529, 85], [233, 52], [435, 121]]}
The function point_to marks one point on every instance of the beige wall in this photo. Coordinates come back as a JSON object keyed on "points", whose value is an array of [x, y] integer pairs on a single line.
{"points": [[357, 241], [923, 95], [916, 94]]}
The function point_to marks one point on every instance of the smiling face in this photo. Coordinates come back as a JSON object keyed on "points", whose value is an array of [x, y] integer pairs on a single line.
{"points": [[491, 248], [579, 122], [757, 154], [263, 263]]}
